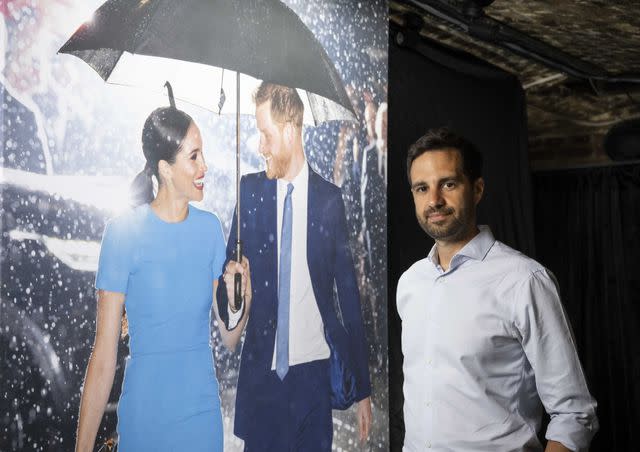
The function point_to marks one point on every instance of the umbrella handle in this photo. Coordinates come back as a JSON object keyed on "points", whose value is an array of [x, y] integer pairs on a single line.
{"points": [[237, 280], [172, 100]]}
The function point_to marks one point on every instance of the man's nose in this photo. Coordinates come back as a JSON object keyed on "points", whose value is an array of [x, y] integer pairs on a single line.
{"points": [[435, 198]]}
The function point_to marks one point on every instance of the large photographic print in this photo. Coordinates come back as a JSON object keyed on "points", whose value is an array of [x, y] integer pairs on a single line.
{"points": [[71, 146]]}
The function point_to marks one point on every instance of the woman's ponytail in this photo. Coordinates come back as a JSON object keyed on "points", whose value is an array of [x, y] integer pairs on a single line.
{"points": [[141, 189]]}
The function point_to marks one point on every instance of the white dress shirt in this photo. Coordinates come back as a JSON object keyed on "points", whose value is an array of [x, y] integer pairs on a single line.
{"points": [[306, 329], [484, 343]]}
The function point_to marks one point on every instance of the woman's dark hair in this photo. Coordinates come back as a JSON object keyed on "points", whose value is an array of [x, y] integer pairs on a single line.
{"points": [[444, 138], [162, 136]]}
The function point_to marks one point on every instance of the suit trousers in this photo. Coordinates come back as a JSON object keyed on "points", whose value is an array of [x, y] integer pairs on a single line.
{"points": [[296, 414]]}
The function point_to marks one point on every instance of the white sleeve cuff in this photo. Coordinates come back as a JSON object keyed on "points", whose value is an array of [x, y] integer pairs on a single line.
{"points": [[234, 317]]}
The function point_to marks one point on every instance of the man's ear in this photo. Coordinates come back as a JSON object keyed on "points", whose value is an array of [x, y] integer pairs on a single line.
{"points": [[478, 190]]}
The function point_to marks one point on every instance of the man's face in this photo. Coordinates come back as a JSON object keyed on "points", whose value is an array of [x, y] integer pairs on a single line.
{"points": [[273, 146], [381, 130], [370, 120], [444, 197]]}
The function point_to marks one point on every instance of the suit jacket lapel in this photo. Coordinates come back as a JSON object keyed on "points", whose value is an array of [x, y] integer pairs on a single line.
{"points": [[266, 214], [314, 220], [268, 205]]}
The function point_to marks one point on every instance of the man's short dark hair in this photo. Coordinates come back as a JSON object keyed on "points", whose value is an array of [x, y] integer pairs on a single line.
{"points": [[442, 139]]}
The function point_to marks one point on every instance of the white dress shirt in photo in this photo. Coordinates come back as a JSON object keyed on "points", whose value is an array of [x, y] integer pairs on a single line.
{"points": [[306, 329]]}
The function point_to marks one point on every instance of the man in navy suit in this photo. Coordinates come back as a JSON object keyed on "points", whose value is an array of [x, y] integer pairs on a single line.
{"points": [[295, 237]]}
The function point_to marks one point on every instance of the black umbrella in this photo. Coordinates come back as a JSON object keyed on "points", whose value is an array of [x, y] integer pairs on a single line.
{"points": [[145, 42], [261, 38]]}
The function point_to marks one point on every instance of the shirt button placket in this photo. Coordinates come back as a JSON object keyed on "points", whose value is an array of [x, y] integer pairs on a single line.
{"points": [[428, 363], [427, 408], [427, 357]]}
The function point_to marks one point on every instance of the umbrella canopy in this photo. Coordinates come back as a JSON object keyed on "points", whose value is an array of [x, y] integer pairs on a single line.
{"points": [[264, 39]]}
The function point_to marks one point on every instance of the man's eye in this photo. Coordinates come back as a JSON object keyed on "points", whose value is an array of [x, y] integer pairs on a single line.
{"points": [[449, 185], [194, 157]]}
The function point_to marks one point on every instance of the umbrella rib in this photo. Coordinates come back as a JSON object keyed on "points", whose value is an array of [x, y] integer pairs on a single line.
{"points": [[107, 75]]}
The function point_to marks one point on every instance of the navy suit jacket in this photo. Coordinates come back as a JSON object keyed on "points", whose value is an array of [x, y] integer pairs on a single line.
{"points": [[330, 267]]}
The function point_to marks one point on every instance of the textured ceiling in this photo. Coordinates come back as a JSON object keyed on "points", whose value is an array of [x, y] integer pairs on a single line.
{"points": [[567, 116], [600, 32]]}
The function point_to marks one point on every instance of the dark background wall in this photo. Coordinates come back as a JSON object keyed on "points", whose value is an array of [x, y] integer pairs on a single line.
{"points": [[587, 224]]}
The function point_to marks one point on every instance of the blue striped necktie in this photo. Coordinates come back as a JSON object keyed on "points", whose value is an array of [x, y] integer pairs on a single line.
{"points": [[284, 288]]}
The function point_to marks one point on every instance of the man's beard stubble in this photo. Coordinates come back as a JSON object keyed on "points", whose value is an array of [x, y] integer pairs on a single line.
{"points": [[455, 230], [277, 167]]}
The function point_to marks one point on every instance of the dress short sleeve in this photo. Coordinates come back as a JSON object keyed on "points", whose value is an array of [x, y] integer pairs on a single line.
{"points": [[114, 263], [220, 249]]}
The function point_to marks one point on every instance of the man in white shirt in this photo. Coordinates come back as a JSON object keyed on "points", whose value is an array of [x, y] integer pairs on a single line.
{"points": [[295, 237], [486, 342]]}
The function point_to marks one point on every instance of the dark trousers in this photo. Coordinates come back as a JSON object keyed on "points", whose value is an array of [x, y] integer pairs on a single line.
{"points": [[296, 416]]}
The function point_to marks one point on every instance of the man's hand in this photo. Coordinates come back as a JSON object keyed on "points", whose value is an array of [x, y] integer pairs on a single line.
{"points": [[364, 416], [555, 446], [230, 270]]}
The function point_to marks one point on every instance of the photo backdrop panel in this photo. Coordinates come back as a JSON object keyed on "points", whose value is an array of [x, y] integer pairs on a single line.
{"points": [[71, 146]]}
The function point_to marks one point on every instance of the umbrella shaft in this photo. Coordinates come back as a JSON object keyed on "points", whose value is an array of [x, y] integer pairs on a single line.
{"points": [[237, 286], [238, 159]]}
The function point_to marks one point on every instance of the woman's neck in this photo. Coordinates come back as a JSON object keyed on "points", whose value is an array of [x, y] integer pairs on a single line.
{"points": [[168, 208]]}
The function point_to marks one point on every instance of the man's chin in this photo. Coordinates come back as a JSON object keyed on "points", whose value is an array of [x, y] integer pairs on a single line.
{"points": [[271, 174], [439, 231], [275, 172], [437, 234]]}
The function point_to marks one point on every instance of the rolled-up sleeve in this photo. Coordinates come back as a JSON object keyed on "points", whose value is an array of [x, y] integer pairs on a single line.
{"points": [[549, 345]]}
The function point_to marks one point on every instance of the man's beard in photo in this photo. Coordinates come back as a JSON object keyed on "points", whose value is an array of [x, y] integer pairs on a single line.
{"points": [[277, 166]]}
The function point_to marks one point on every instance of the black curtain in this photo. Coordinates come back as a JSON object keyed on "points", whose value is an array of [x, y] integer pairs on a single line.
{"points": [[588, 233], [432, 86]]}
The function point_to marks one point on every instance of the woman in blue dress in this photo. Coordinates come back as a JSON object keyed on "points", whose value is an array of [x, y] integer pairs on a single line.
{"points": [[161, 261]]}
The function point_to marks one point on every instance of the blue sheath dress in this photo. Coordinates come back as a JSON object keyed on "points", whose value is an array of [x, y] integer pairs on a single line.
{"points": [[169, 399]]}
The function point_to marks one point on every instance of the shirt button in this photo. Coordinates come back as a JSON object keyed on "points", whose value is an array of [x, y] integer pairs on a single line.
{"points": [[429, 445], [428, 404]]}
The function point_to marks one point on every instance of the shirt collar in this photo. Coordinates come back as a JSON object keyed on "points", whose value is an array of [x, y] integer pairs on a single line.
{"points": [[476, 249], [301, 179], [433, 256], [479, 246]]}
